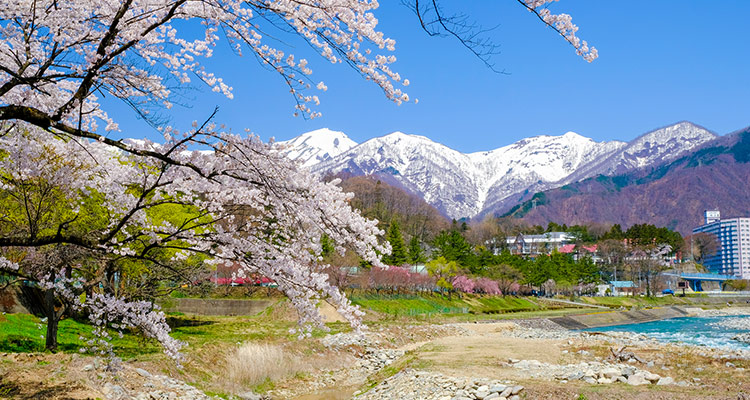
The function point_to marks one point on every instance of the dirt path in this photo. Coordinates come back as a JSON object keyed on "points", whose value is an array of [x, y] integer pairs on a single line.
{"points": [[486, 351]]}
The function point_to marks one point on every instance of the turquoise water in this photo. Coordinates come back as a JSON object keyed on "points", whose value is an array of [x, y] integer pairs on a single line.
{"points": [[699, 331]]}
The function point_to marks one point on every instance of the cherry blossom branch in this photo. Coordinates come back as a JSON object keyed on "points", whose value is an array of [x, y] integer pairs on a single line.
{"points": [[562, 24]]}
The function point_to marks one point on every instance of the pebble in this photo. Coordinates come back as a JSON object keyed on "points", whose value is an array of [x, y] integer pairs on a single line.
{"points": [[593, 372], [420, 385]]}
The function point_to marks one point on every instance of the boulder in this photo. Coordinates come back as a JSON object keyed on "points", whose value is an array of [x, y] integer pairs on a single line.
{"points": [[497, 388], [651, 376], [610, 372], [637, 380], [665, 381]]}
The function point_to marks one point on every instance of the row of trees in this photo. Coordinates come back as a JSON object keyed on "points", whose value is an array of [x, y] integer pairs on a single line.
{"points": [[639, 254]]}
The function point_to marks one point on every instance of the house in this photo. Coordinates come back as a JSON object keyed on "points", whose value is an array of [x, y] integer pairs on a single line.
{"points": [[621, 288], [580, 250]]}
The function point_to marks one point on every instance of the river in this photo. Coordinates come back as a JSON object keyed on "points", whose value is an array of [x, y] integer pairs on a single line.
{"points": [[717, 332]]}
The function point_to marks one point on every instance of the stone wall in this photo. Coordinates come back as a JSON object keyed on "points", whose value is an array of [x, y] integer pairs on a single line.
{"points": [[9, 301], [216, 306]]}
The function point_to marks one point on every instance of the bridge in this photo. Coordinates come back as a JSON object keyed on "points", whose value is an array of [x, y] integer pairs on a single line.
{"points": [[695, 280]]}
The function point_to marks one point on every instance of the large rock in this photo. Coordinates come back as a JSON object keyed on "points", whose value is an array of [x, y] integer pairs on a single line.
{"points": [[651, 376], [665, 381], [637, 380], [610, 373]]}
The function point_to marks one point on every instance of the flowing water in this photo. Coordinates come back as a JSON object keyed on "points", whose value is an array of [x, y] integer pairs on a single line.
{"points": [[701, 331]]}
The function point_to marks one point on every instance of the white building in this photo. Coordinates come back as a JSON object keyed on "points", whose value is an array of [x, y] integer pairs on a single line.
{"points": [[733, 237], [538, 244]]}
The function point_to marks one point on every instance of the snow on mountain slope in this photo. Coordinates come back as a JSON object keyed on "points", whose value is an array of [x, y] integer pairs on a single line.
{"points": [[651, 148], [540, 163], [460, 184], [316, 146], [444, 177], [465, 185]]}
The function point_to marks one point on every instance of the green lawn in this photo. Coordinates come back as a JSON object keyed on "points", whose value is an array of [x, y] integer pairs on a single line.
{"points": [[410, 305], [25, 333], [20, 333], [624, 301]]}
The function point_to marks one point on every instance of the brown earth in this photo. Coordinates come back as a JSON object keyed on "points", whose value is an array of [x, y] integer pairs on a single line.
{"points": [[485, 352]]}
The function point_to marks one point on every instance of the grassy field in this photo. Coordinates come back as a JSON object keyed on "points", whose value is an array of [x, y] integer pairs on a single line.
{"points": [[410, 305], [627, 302], [23, 333]]}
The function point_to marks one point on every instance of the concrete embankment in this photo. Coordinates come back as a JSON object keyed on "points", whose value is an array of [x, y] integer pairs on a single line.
{"points": [[609, 318], [217, 306]]}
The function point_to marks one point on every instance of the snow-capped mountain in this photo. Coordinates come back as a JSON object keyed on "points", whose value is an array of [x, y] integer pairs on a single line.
{"points": [[540, 163], [316, 146], [445, 178], [651, 148], [465, 185]]}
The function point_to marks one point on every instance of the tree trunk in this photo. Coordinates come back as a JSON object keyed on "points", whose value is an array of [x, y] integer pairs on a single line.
{"points": [[52, 320]]}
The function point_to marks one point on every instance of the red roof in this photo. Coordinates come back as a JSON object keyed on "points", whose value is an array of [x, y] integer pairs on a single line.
{"points": [[569, 248]]}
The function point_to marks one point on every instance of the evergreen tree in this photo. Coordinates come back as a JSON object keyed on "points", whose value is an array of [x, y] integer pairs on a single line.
{"points": [[454, 247], [398, 254], [615, 233], [416, 254]]}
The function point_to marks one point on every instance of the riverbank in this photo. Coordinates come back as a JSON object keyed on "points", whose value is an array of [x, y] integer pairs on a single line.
{"points": [[443, 360]]}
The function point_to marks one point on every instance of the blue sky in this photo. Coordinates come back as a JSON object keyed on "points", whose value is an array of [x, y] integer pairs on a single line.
{"points": [[660, 62]]}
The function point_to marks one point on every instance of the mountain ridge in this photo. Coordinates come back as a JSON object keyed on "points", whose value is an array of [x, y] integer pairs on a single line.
{"points": [[715, 175], [474, 184]]}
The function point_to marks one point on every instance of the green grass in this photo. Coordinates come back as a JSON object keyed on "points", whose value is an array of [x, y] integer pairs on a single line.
{"points": [[23, 333], [624, 301], [411, 305]]}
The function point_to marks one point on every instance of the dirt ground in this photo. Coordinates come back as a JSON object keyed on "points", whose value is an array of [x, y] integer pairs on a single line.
{"points": [[486, 351], [44, 376]]}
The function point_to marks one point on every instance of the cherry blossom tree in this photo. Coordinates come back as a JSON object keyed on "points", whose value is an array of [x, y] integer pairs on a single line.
{"points": [[463, 284], [241, 202], [487, 286]]}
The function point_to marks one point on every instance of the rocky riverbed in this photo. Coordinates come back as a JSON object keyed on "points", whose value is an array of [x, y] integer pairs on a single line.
{"points": [[470, 361], [410, 384]]}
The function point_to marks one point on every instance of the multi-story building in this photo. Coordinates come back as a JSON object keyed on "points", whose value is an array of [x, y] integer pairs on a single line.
{"points": [[733, 239], [538, 244]]}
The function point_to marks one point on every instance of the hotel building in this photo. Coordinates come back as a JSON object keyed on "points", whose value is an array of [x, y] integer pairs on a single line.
{"points": [[733, 239]]}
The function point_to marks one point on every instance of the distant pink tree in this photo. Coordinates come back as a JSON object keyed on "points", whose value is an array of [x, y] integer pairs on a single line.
{"points": [[463, 284], [422, 282], [486, 286], [390, 278]]}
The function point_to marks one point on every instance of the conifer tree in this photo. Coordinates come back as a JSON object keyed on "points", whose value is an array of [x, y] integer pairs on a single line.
{"points": [[416, 254], [398, 254]]}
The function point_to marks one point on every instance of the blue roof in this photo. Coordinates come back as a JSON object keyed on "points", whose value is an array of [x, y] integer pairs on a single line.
{"points": [[622, 284]]}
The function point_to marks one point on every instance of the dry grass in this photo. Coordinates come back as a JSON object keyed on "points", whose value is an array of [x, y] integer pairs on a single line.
{"points": [[253, 364]]}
